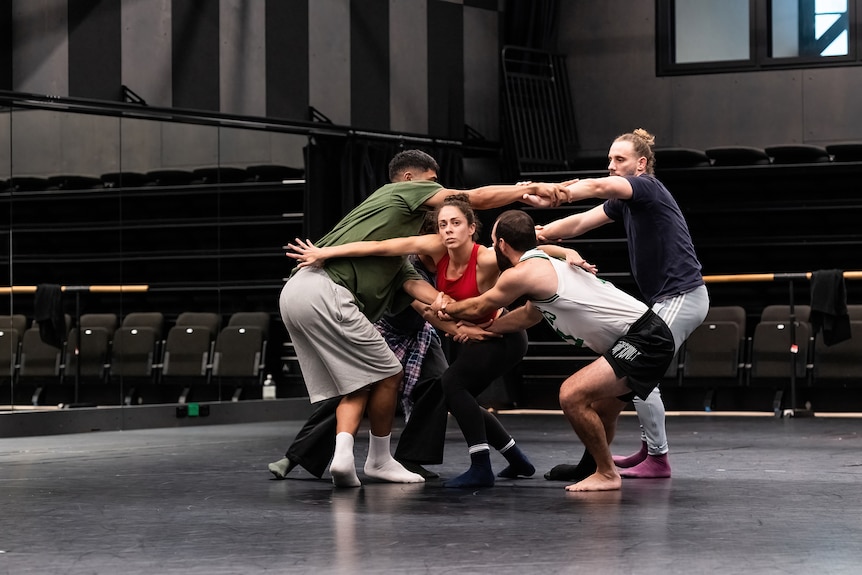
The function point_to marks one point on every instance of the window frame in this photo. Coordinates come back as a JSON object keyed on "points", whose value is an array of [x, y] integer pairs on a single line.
{"points": [[760, 37]]}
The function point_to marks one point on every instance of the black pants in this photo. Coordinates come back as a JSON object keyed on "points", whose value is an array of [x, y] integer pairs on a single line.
{"points": [[472, 370], [421, 440]]}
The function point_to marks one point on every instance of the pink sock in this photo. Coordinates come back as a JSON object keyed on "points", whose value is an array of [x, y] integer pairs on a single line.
{"points": [[653, 467], [633, 459]]}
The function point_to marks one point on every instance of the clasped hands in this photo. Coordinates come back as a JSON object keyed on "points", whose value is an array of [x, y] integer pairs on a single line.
{"points": [[465, 331], [547, 195]]}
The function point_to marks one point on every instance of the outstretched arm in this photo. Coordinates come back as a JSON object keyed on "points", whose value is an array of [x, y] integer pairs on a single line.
{"points": [[574, 225], [308, 254], [605, 188], [540, 195]]}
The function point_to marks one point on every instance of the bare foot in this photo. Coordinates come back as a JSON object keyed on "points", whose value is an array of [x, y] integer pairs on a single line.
{"points": [[597, 482]]}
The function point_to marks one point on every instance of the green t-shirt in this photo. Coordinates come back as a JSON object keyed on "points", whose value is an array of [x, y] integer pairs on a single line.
{"points": [[393, 211]]}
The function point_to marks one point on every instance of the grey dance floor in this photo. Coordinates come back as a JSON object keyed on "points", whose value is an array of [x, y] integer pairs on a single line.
{"points": [[748, 495]]}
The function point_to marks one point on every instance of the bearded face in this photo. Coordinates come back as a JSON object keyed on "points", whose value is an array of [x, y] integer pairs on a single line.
{"points": [[502, 261]]}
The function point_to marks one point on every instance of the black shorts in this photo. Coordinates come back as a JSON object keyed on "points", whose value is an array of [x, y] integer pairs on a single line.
{"points": [[642, 355]]}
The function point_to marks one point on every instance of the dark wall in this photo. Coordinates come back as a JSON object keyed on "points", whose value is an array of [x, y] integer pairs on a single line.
{"points": [[611, 57]]}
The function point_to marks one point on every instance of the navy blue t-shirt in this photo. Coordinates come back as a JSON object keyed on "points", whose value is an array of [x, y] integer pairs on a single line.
{"points": [[660, 248]]}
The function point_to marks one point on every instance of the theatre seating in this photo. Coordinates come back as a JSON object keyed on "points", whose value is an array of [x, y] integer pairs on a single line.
{"points": [[680, 158], [845, 151], [169, 178], [39, 375], [39, 359], [715, 350], [18, 322], [12, 328], [274, 173], [74, 182], [258, 319], [238, 352], [123, 179], [713, 356], [136, 345], [96, 334], [188, 347], [797, 154], [220, 175], [771, 351], [841, 363], [737, 156]]}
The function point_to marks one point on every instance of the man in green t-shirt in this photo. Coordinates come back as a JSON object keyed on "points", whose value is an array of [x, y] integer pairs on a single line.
{"points": [[329, 312]]}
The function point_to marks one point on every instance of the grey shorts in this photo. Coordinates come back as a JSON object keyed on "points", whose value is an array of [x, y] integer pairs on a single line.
{"points": [[338, 348]]}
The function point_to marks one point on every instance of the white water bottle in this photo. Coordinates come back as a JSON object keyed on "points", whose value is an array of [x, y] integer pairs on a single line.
{"points": [[268, 387]]}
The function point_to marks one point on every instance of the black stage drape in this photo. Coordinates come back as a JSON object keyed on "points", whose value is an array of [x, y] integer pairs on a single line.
{"points": [[341, 171]]}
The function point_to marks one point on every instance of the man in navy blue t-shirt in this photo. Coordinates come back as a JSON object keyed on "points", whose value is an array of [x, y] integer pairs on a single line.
{"points": [[665, 268]]}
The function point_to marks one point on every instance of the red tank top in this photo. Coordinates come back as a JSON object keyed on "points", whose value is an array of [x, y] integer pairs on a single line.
{"points": [[464, 287]]}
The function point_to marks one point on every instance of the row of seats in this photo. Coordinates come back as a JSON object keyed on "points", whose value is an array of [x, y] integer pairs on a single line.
{"points": [[753, 156], [722, 156], [196, 347], [720, 353], [208, 175]]}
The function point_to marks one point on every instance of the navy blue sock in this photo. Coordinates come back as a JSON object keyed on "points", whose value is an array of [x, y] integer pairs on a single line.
{"points": [[480, 473], [519, 465]]}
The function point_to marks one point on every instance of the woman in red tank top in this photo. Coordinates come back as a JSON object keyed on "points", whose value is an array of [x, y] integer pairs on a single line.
{"points": [[462, 265], [477, 357]]}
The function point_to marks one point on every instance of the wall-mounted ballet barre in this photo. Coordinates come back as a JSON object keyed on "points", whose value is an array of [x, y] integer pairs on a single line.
{"points": [[789, 277], [78, 290], [133, 288], [852, 275]]}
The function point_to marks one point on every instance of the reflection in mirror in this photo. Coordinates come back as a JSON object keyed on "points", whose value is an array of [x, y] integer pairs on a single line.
{"points": [[261, 195], [151, 250], [65, 233], [171, 242], [8, 338]]}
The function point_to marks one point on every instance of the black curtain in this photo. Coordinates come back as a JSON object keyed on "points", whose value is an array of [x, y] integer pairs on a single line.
{"points": [[341, 171]]}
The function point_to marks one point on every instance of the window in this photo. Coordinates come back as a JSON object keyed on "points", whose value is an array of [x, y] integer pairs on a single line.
{"points": [[700, 36]]}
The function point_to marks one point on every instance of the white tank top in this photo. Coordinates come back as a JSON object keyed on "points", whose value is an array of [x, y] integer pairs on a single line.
{"points": [[586, 311]]}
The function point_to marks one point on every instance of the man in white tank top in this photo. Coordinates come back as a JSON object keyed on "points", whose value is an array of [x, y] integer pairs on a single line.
{"points": [[635, 344]]}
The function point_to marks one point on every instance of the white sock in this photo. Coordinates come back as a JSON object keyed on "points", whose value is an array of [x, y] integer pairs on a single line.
{"points": [[378, 449], [343, 468], [381, 465]]}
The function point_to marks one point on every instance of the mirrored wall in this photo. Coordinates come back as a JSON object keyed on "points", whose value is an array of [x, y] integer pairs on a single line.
{"points": [[142, 255]]}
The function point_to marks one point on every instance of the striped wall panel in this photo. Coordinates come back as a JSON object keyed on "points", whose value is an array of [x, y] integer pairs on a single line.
{"points": [[5, 44], [445, 69], [242, 57], [195, 54], [146, 50], [408, 66], [94, 49], [369, 64], [287, 59], [40, 47], [418, 66]]}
